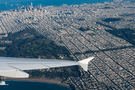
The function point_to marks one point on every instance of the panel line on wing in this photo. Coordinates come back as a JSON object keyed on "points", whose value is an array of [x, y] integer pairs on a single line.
{"points": [[28, 66], [45, 65], [15, 67]]}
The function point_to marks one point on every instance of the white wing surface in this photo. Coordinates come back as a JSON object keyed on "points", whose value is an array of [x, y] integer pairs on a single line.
{"points": [[12, 67]]}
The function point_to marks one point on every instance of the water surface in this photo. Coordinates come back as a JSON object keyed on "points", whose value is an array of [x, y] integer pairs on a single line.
{"points": [[25, 85], [12, 4]]}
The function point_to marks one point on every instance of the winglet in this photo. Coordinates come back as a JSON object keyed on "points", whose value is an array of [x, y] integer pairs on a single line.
{"points": [[84, 63]]}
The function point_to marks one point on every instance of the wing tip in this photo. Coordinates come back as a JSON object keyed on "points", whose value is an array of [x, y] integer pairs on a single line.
{"points": [[84, 63]]}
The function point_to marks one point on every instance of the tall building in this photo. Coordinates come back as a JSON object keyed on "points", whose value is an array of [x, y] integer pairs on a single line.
{"points": [[40, 6], [31, 6]]}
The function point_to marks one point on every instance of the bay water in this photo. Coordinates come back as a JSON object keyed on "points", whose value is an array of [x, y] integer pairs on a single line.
{"points": [[27, 85], [13, 4]]}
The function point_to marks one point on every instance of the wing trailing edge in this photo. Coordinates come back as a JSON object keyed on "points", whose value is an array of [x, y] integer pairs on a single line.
{"points": [[14, 74]]}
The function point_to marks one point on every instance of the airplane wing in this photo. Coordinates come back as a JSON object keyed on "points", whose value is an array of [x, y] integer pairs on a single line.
{"points": [[13, 67]]}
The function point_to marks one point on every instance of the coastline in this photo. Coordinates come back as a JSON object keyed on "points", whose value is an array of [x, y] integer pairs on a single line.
{"points": [[52, 81], [12, 5]]}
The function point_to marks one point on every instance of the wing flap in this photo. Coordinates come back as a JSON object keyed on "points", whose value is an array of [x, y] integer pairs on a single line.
{"points": [[14, 74], [5, 67]]}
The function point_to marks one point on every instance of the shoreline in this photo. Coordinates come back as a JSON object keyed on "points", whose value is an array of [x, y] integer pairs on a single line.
{"points": [[9, 7], [51, 81]]}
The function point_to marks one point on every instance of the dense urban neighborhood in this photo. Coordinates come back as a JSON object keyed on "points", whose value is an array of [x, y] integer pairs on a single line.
{"points": [[103, 30]]}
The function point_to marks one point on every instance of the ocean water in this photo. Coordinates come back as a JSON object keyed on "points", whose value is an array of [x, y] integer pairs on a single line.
{"points": [[24, 85], [12, 4]]}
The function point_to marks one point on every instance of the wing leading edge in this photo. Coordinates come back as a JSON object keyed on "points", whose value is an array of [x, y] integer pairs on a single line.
{"points": [[12, 67]]}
